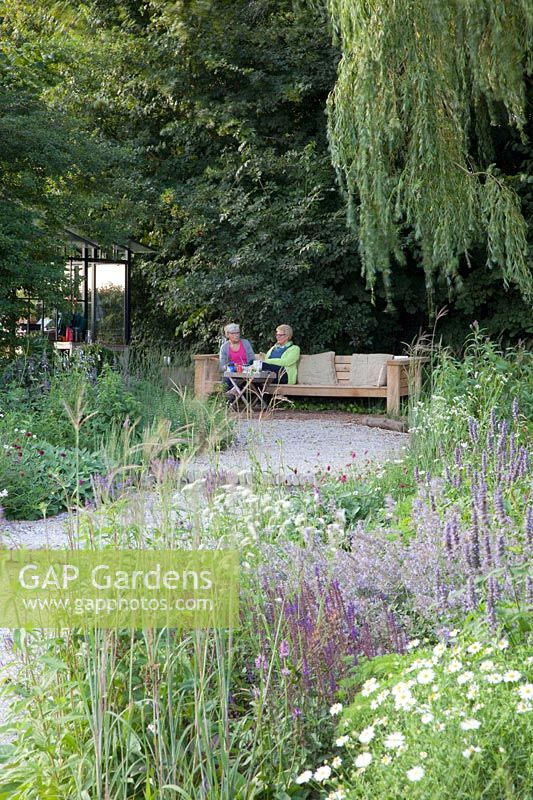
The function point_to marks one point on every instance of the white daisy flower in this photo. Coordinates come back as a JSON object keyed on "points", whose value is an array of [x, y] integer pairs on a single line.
{"points": [[369, 686], [439, 649], [394, 740], [399, 688], [413, 644], [366, 735], [427, 718], [470, 724], [415, 773], [526, 691], [487, 666], [336, 762], [511, 676], [494, 678], [386, 760], [404, 701], [363, 760], [425, 676], [474, 648], [420, 663], [341, 741], [335, 709], [454, 666], [322, 773], [522, 707], [304, 777], [503, 644], [465, 677]]}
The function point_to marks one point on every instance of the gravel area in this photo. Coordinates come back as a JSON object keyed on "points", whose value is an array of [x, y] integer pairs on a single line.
{"points": [[289, 447], [296, 447]]}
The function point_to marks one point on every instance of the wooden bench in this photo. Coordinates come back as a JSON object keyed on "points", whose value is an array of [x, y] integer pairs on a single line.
{"points": [[400, 381]]}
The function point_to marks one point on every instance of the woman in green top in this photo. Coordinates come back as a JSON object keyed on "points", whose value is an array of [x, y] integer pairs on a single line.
{"points": [[282, 358]]}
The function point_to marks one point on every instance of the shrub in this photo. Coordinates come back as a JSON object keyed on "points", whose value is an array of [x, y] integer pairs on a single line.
{"points": [[38, 478], [454, 722], [479, 385]]}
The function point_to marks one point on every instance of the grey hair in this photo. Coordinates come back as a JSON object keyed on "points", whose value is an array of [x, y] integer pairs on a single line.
{"points": [[285, 329], [231, 327]]}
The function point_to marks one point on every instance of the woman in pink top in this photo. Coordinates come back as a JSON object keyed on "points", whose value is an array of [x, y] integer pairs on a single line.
{"points": [[235, 350]]}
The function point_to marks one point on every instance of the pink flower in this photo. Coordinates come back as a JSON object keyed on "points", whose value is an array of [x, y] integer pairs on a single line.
{"points": [[284, 649]]}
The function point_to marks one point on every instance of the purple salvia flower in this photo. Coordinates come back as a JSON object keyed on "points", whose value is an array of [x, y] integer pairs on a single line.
{"points": [[501, 547], [524, 462], [512, 447], [471, 595], [366, 641], [261, 662], [529, 591], [488, 549], [448, 542], [490, 440], [473, 429], [455, 530], [284, 649], [491, 607], [482, 505], [499, 507], [458, 457], [441, 591], [528, 528], [306, 672], [503, 430], [473, 552]]}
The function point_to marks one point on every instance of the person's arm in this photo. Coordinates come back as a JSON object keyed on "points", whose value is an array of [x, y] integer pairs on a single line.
{"points": [[250, 355], [289, 357], [223, 357]]}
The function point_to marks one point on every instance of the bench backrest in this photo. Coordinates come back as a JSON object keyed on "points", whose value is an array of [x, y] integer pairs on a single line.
{"points": [[343, 365], [206, 373]]}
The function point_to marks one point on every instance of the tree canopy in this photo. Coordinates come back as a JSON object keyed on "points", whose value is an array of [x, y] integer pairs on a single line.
{"points": [[423, 92], [201, 129]]}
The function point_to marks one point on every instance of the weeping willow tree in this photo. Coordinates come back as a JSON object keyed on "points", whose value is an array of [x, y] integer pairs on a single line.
{"points": [[420, 86]]}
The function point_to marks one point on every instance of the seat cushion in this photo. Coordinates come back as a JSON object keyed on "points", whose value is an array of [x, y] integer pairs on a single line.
{"points": [[317, 370], [369, 369]]}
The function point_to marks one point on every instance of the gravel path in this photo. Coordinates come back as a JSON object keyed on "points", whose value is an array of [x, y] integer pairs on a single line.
{"points": [[289, 447], [298, 445]]}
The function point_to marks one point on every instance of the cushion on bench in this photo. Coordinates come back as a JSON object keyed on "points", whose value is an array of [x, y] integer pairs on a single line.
{"points": [[369, 369], [317, 370]]}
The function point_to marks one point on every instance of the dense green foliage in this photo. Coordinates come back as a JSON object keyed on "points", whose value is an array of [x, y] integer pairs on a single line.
{"points": [[332, 576], [200, 128], [66, 424], [420, 89]]}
